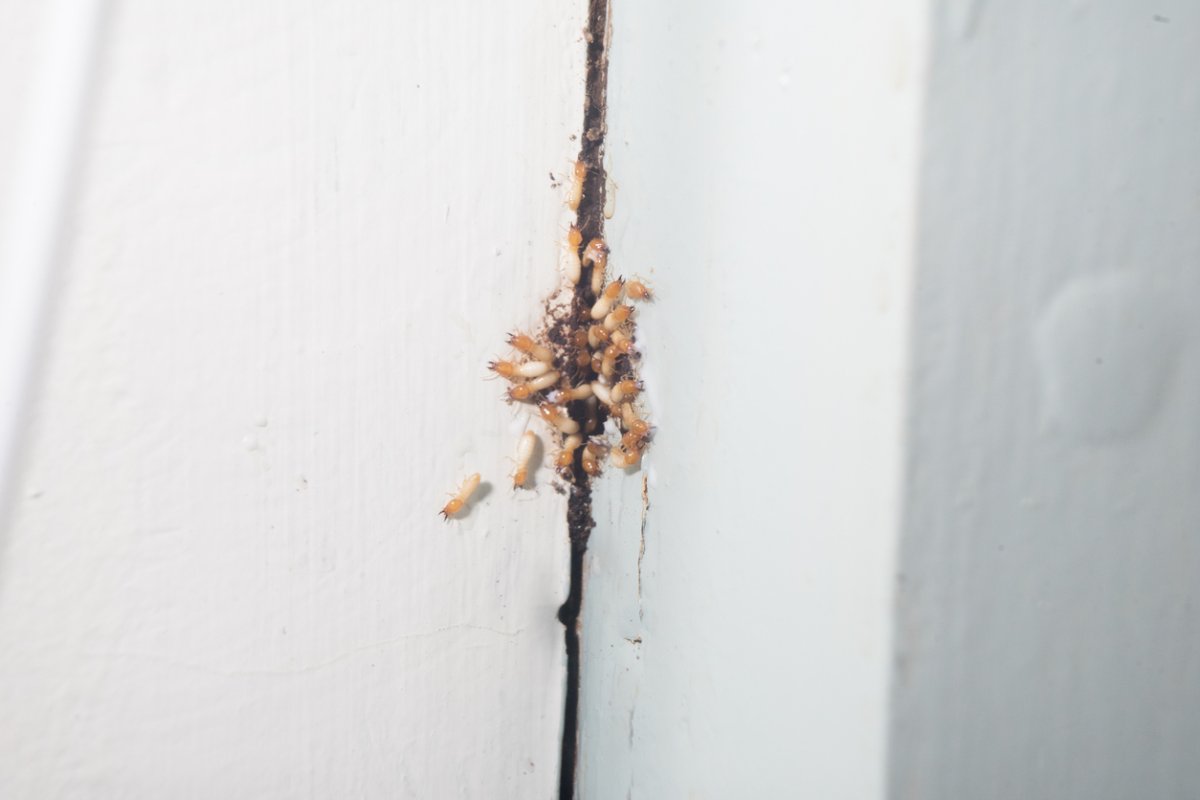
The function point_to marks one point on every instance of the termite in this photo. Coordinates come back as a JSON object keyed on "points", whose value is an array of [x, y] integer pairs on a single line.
{"points": [[571, 266], [513, 370], [556, 416], [607, 298], [632, 422], [578, 175], [616, 318], [636, 290], [596, 255], [524, 453], [625, 388], [526, 344], [626, 458], [459, 500], [566, 456], [520, 392], [590, 458]]}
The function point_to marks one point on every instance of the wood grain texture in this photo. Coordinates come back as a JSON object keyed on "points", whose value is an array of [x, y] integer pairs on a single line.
{"points": [[304, 229]]}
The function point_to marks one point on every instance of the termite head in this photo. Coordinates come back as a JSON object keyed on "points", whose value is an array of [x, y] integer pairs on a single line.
{"points": [[596, 253], [505, 369], [574, 237], [520, 392], [636, 290], [566, 456]]}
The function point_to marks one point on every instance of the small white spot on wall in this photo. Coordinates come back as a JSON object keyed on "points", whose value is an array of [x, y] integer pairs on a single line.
{"points": [[1106, 347]]}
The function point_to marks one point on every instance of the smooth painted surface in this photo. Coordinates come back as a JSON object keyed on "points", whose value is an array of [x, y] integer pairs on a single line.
{"points": [[1047, 605], [765, 157], [304, 229]]}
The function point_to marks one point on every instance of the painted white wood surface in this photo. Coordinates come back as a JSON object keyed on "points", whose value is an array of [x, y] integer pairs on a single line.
{"points": [[1048, 603], [303, 229], [766, 182]]}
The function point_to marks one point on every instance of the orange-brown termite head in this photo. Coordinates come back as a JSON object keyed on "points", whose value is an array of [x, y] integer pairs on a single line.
{"points": [[526, 344], [566, 456], [617, 317], [632, 423], [579, 338], [636, 290], [460, 499], [582, 359], [607, 298], [525, 449], [520, 392], [578, 176], [590, 458], [625, 388], [513, 370], [626, 457]]}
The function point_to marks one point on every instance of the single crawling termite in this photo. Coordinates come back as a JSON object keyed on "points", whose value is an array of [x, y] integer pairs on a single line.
{"points": [[636, 290], [524, 452], [459, 500]]}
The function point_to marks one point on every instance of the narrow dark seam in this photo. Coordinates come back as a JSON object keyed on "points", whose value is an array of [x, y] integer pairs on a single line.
{"points": [[590, 221]]}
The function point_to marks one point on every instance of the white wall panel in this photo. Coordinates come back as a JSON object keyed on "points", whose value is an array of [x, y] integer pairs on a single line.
{"points": [[304, 229], [765, 155], [1047, 606]]}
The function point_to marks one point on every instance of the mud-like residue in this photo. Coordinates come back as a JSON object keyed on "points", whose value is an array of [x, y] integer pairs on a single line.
{"points": [[579, 507]]}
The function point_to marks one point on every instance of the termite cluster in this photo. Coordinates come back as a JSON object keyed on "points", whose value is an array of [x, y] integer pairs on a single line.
{"points": [[581, 371]]}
